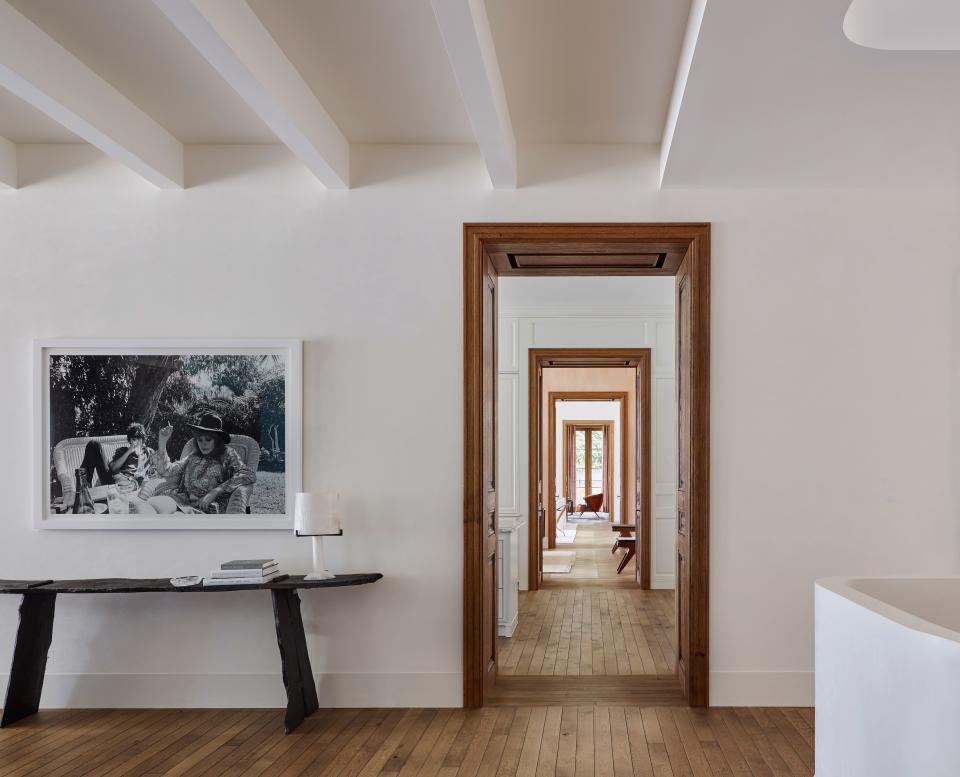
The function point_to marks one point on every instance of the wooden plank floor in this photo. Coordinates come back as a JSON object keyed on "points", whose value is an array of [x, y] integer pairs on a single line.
{"points": [[591, 621], [604, 741]]}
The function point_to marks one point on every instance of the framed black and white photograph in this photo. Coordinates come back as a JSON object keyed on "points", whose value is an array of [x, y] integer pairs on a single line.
{"points": [[167, 434]]}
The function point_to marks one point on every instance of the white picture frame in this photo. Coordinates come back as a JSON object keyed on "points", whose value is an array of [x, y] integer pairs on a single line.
{"points": [[287, 350]]}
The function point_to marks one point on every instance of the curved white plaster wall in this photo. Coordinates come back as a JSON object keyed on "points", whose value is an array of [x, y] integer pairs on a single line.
{"points": [[904, 25], [887, 670]]}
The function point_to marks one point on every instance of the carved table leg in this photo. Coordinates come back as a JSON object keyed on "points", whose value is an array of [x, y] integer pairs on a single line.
{"points": [[29, 656], [295, 661]]}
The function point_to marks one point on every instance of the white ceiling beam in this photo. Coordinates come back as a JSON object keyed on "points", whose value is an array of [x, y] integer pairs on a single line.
{"points": [[466, 35], [8, 164], [43, 73], [687, 50], [233, 40]]}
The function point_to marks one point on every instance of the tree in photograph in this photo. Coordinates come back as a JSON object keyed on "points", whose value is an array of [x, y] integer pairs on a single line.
{"points": [[273, 410], [88, 395], [100, 395], [151, 375]]}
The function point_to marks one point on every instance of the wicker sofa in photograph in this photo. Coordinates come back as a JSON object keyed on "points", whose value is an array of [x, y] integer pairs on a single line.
{"points": [[67, 455]]}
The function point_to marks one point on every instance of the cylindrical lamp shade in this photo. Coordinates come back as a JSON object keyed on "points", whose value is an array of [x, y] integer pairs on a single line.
{"points": [[316, 513]]}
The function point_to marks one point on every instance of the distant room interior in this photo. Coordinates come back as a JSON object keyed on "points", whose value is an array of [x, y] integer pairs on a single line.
{"points": [[589, 616]]}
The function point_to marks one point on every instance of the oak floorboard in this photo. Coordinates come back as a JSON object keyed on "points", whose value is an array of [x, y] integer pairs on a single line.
{"points": [[591, 621], [380, 757], [258, 728], [566, 764], [45, 727], [332, 760], [513, 745], [30, 742], [748, 747], [564, 740], [541, 758], [406, 746]]}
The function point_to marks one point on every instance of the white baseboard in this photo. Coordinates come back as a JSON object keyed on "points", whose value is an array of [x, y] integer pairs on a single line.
{"points": [[761, 689], [507, 629], [62, 691], [663, 581]]}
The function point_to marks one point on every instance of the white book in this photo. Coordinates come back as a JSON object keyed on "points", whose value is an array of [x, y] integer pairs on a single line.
{"points": [[240, 580], [232, 573]]}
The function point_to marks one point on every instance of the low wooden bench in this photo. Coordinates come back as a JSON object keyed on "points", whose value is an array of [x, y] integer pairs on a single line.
{"points": [[630, 543], [35, 632], [623, 530]]}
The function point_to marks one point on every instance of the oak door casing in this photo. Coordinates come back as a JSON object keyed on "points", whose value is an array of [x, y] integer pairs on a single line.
{"points": [[693, 461], [643, 504], [683, 475], [490, 477], [578, 243], [480, 482], [541, 507]]}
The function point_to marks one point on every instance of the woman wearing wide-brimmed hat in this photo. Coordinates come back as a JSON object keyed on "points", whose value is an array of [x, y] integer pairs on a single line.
{"points": [[205, 479]]}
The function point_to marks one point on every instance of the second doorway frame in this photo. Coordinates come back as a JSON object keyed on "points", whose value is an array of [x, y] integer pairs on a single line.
{"points": [[637, 358]]}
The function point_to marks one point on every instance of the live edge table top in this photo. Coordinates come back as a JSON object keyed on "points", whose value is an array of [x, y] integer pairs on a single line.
{"points": [[121, 585]]}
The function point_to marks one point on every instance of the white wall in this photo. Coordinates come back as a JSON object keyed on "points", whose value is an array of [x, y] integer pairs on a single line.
{"points": [[588, 313], [834, 398]]}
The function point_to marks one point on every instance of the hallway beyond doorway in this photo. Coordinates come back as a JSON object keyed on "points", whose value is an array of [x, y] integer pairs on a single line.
{"points": [[591, 621]]}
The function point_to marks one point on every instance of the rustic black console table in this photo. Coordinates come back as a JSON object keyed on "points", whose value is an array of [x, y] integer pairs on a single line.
{"points": [[36, 631]]}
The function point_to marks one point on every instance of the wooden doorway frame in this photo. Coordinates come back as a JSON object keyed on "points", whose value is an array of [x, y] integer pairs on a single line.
{"points": [[674, 249], [639, 359], [568, 432]]}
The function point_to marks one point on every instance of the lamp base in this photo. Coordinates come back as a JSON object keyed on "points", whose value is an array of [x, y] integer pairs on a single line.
{"points": [[324, 575]]}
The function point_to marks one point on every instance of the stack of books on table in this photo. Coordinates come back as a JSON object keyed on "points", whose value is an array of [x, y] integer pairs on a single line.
{"points": [[251, 571]]}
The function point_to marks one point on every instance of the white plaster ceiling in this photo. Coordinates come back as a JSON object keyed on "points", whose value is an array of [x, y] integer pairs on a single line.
{"points": [[574, 71], [378, 66], [132, 46], [788, 101], [20, 122], [777, 95]]}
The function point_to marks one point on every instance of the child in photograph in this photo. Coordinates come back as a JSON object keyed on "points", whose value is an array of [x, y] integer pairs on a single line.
{"points": [[128, 469]]}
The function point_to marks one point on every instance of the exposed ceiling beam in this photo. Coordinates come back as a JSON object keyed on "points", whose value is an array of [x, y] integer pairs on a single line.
{"points": [[43, 73], [466, 35], [233, 40], [690, 38], [8, 164]]}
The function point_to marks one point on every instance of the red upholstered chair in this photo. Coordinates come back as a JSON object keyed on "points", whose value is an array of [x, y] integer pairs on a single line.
{"points": [[594, 503]]}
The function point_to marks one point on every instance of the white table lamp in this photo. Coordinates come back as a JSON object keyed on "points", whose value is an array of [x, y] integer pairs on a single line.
{"points": [[317, 515]]}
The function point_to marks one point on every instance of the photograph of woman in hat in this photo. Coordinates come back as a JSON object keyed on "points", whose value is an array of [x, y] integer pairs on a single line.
{"points": [[206, 479], [174, 436]]}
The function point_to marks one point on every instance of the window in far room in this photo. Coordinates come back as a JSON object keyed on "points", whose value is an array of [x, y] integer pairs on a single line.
{"points": [[587, 462]]}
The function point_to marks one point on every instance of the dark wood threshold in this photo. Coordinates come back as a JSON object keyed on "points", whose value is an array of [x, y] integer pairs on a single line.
{"points": [[577, 583], [543, 691]]}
